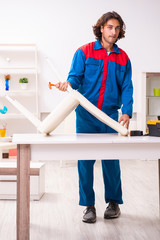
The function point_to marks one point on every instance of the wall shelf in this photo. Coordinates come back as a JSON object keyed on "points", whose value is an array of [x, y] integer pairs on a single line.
{"points": [[19, 60], [15, 116], [149, 104], [18, 93], [14, 71], [153, 97]]}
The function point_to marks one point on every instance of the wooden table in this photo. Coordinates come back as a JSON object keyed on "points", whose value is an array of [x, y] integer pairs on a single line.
{"points": [[72, 147]]}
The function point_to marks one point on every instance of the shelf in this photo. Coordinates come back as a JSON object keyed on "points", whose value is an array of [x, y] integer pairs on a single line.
{"points": [[152, 74], [17, 47], [156, 97], [19, 93], [5, 139], [155, 115], [14, 116], [18, 70]]}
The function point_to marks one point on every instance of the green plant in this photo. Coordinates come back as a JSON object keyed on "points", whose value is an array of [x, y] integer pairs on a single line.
{"points": [[23, 80]]}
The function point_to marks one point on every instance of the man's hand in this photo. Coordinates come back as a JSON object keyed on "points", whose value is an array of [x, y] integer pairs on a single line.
{"points": [[62, 86], [125, 120]]}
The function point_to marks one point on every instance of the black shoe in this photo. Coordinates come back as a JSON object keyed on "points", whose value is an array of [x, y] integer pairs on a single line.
{"points": [[89, 215], [112, 210]]}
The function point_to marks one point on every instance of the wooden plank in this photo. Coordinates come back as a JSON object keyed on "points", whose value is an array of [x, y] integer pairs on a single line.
{"points": [[8, 171], [23, 192], [153, 74], [13, 171], [8, 180]]}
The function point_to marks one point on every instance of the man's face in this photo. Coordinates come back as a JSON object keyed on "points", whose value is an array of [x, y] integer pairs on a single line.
{"points": [[110, 31]]}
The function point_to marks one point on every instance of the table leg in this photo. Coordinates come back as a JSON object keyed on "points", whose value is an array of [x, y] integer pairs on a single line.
{"points": [[23, 191]]}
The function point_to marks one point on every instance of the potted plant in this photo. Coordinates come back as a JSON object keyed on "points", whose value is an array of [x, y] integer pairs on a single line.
{"points": [[23, 82]]}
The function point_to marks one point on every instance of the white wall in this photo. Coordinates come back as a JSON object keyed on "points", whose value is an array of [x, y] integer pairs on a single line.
{"points": [[59, 27]]}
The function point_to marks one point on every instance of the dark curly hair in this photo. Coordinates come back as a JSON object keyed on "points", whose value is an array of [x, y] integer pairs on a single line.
{"points": [[102, 21]]}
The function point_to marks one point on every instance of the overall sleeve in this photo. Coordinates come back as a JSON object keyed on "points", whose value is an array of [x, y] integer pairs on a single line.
{"points": [[127, 91], [77, 69]]}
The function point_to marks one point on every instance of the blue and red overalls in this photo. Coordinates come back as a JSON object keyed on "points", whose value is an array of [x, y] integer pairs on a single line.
{"points": [[105, 80]]}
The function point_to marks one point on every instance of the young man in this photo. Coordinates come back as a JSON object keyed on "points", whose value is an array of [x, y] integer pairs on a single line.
{"points": [[102, 73]]}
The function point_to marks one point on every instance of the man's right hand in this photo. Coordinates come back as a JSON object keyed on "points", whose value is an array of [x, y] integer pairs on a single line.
{"points": [[62, 86]]}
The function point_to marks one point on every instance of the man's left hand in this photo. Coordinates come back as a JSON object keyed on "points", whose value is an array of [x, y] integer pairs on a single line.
{"points": [[125, 120]]}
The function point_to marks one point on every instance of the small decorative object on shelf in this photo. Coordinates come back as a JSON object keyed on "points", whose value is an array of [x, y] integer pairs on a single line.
{"points": [[2, 132], [7, 78], [3, 110], [156, 92], [2, 129], [23, 82]]}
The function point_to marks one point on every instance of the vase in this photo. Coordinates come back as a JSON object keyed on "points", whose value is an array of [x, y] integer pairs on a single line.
{"points": [[2, 132], [7, 85], [24, 85]]}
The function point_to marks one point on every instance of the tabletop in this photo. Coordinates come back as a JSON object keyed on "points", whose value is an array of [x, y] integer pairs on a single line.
{"points": [[81, 139]]}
